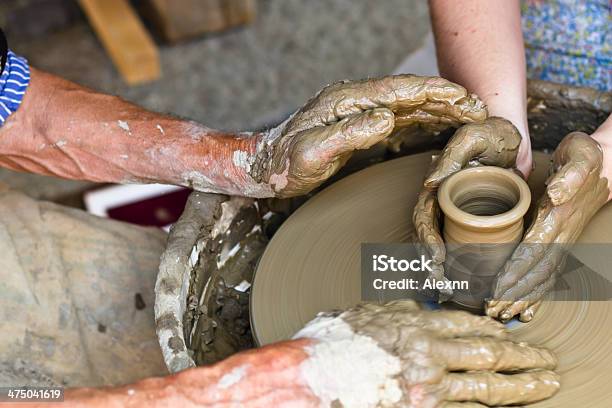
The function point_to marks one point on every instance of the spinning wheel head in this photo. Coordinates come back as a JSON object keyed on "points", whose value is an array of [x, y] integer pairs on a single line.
{"points": [[313, 264]]}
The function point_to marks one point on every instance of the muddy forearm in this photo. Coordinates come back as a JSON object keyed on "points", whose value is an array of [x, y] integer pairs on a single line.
{"points": [[480, 46], [376, 355], [69, 131], [265, 377]]}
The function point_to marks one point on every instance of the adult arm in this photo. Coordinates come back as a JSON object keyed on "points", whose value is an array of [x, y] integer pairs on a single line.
{"points": [[69, 131], [371, 355], [66, 130], [479, 45]]}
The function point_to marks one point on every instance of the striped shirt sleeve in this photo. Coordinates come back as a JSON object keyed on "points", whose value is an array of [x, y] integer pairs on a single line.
{"points": [[13, 84]]}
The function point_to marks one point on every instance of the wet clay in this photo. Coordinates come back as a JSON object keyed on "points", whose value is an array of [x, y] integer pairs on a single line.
{"points": [[312, 264], [313, 143], [553, 110], [494, 142], [214, 247], [575, 191], [217, 320], [399, 355], [483, 210]]}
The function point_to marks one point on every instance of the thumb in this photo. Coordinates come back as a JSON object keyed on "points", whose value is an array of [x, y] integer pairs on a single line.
{"points": [[494, 142], [576, 157], [464, 146], [563, 185]]}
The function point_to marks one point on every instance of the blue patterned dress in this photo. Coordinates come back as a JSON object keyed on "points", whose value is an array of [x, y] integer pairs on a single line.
{"points": [[569, 41]]}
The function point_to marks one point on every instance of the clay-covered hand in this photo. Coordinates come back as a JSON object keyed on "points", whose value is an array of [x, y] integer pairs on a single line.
{"points": [[494, 142], [575, 191], [318, 139], [398, 355]]}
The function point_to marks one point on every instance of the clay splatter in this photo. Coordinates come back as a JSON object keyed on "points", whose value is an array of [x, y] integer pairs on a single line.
{"points": [[124, 125], [233, 377]]}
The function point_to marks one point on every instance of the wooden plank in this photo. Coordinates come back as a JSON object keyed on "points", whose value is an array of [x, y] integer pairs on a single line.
{"points": [[239, 11], [180, 19], [125, 39]]}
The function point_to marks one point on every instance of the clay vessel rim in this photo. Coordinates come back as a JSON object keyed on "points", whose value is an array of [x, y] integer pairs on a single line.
{"points": [[504, 219]]}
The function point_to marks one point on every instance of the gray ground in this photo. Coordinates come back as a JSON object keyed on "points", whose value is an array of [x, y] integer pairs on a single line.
{"points": [[246, 78]]}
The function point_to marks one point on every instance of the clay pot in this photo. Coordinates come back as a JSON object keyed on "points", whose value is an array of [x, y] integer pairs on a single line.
{"points": [[483, 222]]}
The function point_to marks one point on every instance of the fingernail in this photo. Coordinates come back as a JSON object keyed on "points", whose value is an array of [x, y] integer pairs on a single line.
{"points": [[505, 316]]}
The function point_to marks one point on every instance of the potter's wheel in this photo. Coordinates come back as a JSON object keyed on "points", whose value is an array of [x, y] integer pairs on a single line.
{"points": [[312, 265]]}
